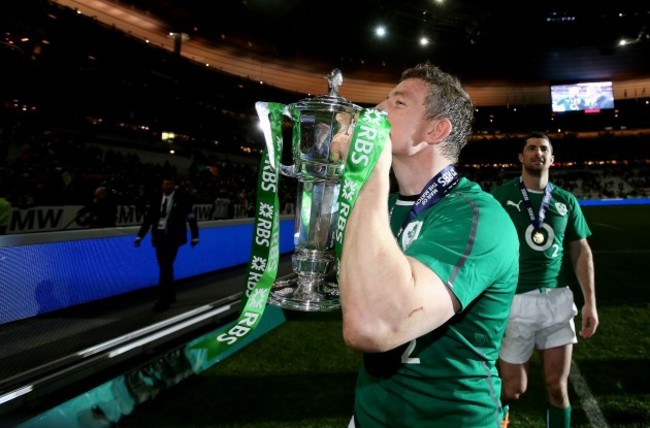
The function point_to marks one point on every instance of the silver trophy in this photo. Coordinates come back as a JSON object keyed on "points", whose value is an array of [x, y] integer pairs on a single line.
{"points": [[312, 286]]}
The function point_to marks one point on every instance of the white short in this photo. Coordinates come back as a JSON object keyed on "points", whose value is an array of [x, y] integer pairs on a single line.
{"points": [[539, 319]]}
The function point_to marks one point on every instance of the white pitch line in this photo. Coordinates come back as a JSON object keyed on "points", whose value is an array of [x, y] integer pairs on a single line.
{"points": [[589, 404]]}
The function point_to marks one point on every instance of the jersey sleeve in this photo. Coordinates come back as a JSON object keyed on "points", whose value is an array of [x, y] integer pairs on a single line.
{"points": [[459, 244], [577, 227]]}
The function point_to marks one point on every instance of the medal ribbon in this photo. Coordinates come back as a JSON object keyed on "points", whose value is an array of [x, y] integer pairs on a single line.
{"points": [[539, 221], [370, 135], [263, 265], [436, 189]]}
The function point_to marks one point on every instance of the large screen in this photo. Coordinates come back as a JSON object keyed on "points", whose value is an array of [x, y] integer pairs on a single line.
{"points": [[586, 96]]}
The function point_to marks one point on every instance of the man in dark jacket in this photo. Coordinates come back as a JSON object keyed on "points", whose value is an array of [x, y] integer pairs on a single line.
{"points": [[168, 215]]}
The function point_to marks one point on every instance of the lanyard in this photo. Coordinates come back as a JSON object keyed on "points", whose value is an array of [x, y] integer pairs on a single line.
{"points": [[539, 221], [436, 189]]}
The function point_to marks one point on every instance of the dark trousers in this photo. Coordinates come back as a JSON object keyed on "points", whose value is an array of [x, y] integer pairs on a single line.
{"points": [[166, 255]]}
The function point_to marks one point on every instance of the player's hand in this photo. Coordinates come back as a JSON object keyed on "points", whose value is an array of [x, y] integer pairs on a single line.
{"points": [[589, 321], [341, 141], [340, 147]]}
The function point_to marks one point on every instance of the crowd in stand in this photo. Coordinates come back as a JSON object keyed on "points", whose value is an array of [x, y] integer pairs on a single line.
{"points": [[146, 88], [49, 169], [52, 170], [611, 182]]}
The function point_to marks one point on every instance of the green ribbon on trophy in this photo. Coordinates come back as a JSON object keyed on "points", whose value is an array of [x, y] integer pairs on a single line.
{"points": [[370, 135], [263, 264]]}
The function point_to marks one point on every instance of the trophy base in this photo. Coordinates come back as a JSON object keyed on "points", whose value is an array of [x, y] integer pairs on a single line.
{"points": [[308, 295]]}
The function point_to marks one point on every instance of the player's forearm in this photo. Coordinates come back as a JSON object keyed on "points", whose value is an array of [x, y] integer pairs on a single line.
{"points": [[372, 269], [583, 266]]}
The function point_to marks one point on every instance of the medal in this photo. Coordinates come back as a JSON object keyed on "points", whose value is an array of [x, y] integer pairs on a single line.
{"points": [[536, 223]]}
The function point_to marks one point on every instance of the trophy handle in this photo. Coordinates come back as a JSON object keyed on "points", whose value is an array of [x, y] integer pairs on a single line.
{"points": [[288, 170], [262, 109], [263, 112]]}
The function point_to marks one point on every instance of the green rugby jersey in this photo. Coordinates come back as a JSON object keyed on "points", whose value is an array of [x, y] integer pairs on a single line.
{"points": [[540, 263], [448, 377]]}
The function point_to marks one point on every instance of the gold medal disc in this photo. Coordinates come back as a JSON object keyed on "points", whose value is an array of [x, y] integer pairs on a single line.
{"points": [[538, 238]]}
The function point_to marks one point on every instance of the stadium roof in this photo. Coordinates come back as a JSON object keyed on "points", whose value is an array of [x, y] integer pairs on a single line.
{"points": [[489, 44]]}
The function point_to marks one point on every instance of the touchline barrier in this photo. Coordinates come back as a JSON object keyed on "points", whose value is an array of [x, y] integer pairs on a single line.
{"points": [[107, 403], [604, 202], [45, 272]]}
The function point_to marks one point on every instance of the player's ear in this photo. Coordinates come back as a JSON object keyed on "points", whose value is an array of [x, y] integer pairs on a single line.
{"points": [[438, 130]]}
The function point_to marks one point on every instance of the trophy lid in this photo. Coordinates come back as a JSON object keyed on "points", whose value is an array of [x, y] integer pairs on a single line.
{"points": [[332, 101]]}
